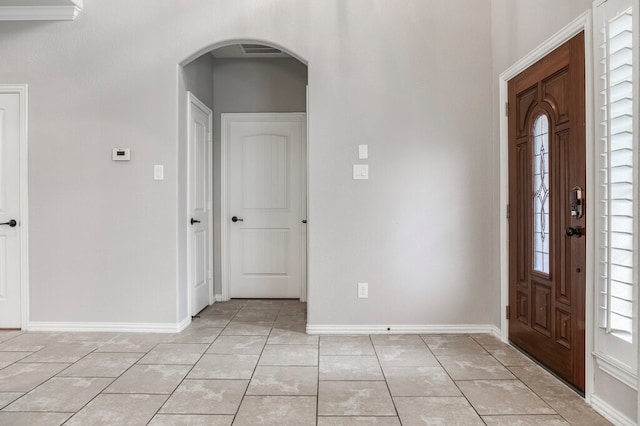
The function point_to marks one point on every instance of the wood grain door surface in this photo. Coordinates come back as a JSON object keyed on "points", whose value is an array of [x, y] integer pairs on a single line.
{"points": [[546, 161]]}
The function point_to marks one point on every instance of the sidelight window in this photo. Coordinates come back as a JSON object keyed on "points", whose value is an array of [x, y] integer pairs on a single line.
{"points": [[617, 189]]}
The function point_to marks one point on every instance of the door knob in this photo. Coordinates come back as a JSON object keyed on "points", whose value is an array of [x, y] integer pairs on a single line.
{"points": [[194, 221], [574, 232], [237, 219], [304, 220], [11, 223]]}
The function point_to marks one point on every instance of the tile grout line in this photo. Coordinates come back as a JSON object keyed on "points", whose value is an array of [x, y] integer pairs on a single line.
{"points": [[384, 376]]}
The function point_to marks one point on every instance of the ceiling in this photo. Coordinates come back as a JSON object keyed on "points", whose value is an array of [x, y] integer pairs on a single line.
{"points": [[39, 10]]}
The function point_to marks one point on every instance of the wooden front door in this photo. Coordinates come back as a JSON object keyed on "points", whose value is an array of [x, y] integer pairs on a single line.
{"points": [[546, 211]]}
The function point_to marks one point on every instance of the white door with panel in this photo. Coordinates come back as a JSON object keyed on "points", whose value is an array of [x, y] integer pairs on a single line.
{"points": [[266, 204], [200, 184], [10, 284]]}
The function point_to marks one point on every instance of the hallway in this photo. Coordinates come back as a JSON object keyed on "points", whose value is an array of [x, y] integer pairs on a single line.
{"points": [[249, 362]]}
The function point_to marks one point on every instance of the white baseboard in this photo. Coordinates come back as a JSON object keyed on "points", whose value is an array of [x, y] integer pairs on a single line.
{"points": [[610, 413], [495, 330], [218, 298], [109, 326], [402, 329]]}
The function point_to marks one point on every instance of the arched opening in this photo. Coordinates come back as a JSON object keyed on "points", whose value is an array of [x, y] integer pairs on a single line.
{"points": [[234, 79]]}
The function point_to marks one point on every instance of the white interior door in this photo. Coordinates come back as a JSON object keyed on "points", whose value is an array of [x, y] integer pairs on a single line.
{"points": [[200, 184], [10, 285], [266, 193]]}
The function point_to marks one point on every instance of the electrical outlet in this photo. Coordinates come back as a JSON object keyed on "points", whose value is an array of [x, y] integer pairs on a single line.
{"points": [[363, 290]]}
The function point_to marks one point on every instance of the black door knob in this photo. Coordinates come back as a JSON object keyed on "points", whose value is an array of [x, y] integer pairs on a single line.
{"points": [[574, 232], [237, 219], [194, 221], [11, 223]]}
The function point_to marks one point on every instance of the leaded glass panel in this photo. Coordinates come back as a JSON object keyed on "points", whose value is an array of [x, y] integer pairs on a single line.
{"points": [[541, 194]]}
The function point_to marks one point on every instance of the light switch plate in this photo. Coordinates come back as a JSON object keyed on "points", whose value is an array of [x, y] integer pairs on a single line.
{"points": [[361, 171], [363, 290], [158, 172], [363, 152]]}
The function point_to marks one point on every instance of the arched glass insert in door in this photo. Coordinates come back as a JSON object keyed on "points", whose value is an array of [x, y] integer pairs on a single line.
{"points": [[541, 203]]}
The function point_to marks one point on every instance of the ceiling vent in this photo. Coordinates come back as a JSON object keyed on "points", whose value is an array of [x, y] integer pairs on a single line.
{"points": [[259, 49]]}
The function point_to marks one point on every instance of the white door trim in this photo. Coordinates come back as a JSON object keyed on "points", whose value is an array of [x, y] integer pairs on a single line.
{"points": [[22, 91], [225, 121], [193, 100], [581, 23]]}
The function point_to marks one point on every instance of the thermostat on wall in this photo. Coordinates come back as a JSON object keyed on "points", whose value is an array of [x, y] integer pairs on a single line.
{"points": [[121, 154]]}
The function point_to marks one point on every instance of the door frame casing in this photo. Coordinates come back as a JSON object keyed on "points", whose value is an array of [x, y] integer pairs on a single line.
{"points": [[581, 23], [193, 100], [22, 91], [225, 120]]}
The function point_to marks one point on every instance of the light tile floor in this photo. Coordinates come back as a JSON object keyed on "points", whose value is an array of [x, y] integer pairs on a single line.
{"points": [[249, 362]]}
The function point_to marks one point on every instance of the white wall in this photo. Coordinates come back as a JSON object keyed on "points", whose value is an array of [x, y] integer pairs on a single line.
{"points": [[251, 85], [412, 79]]}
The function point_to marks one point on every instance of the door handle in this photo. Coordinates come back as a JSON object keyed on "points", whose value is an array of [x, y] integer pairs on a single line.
{"points": [[574, 232], [11, 223], [194, 221], [304, 220], [236, 219]]}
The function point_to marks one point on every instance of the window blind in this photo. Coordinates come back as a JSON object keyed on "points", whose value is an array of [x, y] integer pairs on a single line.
{"points": [[617, 178]]}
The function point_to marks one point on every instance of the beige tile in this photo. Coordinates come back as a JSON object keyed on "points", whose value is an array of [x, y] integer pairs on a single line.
{"points": [[436, 411], [174, 353], [206, 397], [195, 335], [490, 397], [507, 355], [277, 411], [454, 345], [573, 409], [358, 421], [405, 356], [151, 379], [132, 342], [32, 419], [108, 410], [519, 420], [270, 380], [240, 345], [28, 342], [288, 337], [63, 394], [289, 355], [101, 365], [353, 398], [87, 338], [24, 377], [61, 352], [209, 321], [536, 377], [396, 339], [252, 314], [420, 381], [474, 367], [8, 397], [336, 367], [242, 328], [485, 339], [8, 358], [215, 366], [9, 334], [346, 345], [190, 420]]}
